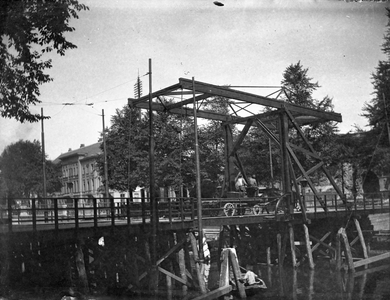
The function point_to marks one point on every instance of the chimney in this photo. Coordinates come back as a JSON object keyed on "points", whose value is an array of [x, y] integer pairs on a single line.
{"points": [[70, 149], [82, 145]]}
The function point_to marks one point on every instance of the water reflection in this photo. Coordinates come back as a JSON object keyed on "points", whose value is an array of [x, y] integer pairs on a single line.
{"points": [[325, 283]]}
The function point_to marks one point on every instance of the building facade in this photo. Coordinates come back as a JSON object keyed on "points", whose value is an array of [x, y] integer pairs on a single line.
{"points": [[80, 177]]}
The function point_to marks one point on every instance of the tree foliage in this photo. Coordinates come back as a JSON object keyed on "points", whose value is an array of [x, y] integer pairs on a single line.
{"points": [[28, 30], [127, 143], [21, 170], [377, 111]]}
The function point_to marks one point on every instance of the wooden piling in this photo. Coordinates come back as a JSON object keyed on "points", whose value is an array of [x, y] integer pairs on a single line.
{"points": [[182, 266], [280, 258], [338, 252], [237, 274], [268, 250], [194, 246], [347, 249], [292, 245], [361, 238], [80, 264], [308, 248]]}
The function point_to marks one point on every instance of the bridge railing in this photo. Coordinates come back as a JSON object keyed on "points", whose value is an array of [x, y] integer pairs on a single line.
{"points": [[367, 203], [40, 214]]}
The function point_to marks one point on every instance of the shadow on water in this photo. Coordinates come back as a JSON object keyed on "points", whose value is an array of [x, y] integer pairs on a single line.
{"points": [[325, 283]]}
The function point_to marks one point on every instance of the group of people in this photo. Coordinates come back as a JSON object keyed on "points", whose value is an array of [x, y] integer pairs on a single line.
{"points": [[243, 186]]}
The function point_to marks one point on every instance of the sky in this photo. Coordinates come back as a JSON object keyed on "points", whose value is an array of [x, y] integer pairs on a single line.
{"points": [[245, 42]]}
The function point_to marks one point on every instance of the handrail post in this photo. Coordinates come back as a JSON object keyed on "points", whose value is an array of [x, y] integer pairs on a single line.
{"points": [[143, 210], [34, 214], [112, 206], [9, 203], [76, 213], [170, 210], [381, 200], [128, 201], [56, 214], [95, 212], [364, 202]]}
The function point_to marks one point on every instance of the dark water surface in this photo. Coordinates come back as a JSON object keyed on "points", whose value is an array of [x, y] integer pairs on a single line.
{"points": [[302, 283]]}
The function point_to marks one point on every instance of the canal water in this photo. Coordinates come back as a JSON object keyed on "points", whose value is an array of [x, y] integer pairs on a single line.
{"points": [[302, 283]]}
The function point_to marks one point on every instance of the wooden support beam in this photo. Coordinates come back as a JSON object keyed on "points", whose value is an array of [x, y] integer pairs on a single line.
{"points": [[80, 264], [241, 137], [339, 259], [173, 276], [347, 249], [182, 267], [307, 245], [215, 294], [229, 161], [321, 241], [371, 259], [256, 99], [280, 255], [186, 111], [304, 151], [172, 250], [237, 273], [133, 102], [361, 238], [292, 245], [199, 275], [186, 101]]}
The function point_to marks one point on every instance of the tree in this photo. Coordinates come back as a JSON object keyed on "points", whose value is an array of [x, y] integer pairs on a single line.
{"points": [[127, 143], [28, 30], [378, 113], [299, 89], [21, 170]]}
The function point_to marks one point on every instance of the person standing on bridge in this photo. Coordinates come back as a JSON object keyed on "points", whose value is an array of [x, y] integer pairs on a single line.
{"points": [[240, 183]]}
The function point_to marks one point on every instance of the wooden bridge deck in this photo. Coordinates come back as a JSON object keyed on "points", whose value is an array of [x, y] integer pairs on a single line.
{"points": [[173, 215]]}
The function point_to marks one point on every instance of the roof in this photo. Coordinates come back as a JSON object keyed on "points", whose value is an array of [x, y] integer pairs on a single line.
{"points": [[90, 151]]}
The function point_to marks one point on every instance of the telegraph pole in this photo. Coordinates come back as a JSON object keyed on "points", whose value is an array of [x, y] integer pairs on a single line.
{"points": [[43, 157], [198, 180], [152, 197], [105, 159]]}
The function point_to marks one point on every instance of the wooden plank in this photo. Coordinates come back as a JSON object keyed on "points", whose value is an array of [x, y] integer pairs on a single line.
{"points": [[371, 260], [177, 278], [173, 249], [214, 294], [371, 270]]}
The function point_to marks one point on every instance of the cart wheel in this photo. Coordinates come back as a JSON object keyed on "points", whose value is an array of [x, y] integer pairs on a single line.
{"points": [[229, 209], [256, 209]]}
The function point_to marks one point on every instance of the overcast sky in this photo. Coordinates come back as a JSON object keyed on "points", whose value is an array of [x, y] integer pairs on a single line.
{"points": [[241, 43]]}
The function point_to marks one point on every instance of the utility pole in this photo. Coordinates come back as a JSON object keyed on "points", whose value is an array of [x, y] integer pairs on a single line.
{"points": [[43, 157], [152, 197], [105, 159], [198, 189]]}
